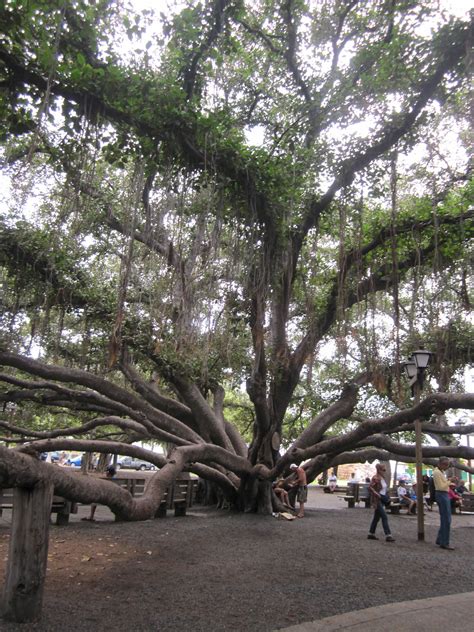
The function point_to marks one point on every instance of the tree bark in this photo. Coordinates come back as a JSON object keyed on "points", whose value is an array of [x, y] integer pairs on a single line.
{"points": [[28, 554]]}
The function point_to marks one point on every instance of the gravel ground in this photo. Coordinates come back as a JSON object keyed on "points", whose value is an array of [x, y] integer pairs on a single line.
{"points": [[214, 571]]}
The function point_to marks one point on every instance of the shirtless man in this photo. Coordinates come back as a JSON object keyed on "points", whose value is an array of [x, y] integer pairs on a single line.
{"points": [[300, 482]]}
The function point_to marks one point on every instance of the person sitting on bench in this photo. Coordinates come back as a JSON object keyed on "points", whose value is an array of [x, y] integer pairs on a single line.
{"points": [[455, 499], [332, 482], [404, 497]]}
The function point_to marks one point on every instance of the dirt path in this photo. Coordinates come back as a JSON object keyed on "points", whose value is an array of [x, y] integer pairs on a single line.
{"points": [[214, 571]]}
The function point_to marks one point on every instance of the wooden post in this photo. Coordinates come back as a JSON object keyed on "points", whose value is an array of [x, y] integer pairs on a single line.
{"points": [[28, 553], [420, 506]]}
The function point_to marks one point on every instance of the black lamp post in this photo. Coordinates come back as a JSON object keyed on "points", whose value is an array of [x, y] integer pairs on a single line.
{"points": [[415, 370]]}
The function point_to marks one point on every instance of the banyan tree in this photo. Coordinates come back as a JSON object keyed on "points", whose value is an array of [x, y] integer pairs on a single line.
{"points": [[223, 231]]}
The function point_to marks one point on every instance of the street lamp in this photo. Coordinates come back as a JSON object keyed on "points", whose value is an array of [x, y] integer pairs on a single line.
{"points": [[415, 370], [459, 423], [422, 358], [410, 367]]}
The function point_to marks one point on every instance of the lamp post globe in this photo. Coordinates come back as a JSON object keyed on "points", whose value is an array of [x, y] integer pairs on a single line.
{"points": [[422, 358], [410, 368]]}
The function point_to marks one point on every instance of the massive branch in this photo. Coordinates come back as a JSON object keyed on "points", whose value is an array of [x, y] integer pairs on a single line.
{"points": [[391, 133], [434, 404], [21, 470], [170, 429]]}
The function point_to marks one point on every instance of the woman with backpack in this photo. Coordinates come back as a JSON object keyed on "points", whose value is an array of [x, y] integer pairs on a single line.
{"points": [[379, 500]]}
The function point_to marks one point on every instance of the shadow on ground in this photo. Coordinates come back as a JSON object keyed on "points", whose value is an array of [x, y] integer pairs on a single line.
{"points": [[214, 571]]}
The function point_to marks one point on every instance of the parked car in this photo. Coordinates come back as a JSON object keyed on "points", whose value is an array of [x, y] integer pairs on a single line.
{"points": [[134, 464], [51, 457], [75, 461]]}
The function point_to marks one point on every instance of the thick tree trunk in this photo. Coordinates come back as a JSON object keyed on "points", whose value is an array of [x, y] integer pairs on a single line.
{"points": [[28, 554], [264, 498], [255, 496], [207, 493], [395, 475], [248, 493]]}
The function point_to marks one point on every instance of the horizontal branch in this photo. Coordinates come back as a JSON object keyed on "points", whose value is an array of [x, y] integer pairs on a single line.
{"points": [[341, 409], [19, 468], [404, 449], [139, 409], [388, 232], [393, 131], [123, 424], [434, 404]]}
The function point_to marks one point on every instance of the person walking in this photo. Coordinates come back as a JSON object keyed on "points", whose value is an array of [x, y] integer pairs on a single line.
{"points": [[441, 485], [379, 499]]}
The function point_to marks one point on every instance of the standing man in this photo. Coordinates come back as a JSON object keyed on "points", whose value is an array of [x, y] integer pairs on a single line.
{"points": [[441, 485], [379, 498], [301, 483]]}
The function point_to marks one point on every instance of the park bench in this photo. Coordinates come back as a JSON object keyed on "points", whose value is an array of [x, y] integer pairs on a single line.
{"points": [[356, 493], [337, 490], [359, 492], [60, 506], [467, 503], [179, 496], [395, 504]]}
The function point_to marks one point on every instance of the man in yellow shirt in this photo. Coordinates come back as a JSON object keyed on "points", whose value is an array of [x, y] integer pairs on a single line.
{"points": [[444, 504]]}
